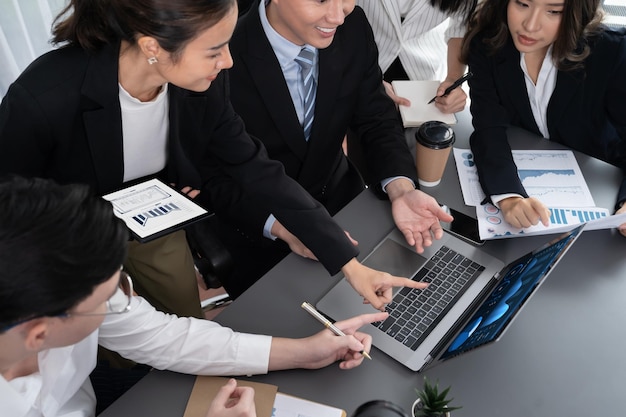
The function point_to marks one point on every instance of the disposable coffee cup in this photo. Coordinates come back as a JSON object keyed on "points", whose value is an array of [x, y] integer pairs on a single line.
{"points": [[434, 142]]}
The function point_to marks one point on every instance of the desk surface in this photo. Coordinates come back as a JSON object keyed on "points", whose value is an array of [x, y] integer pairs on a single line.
{"points": [[562, 356]]}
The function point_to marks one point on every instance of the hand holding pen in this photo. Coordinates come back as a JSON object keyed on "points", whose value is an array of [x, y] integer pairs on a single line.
{"points": [[453, 86], [349, 327]]}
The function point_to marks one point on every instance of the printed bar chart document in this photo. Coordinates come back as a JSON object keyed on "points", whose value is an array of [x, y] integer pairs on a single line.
{"points": [[491, 224], [420, 93], [553, 177], [152, 209]]}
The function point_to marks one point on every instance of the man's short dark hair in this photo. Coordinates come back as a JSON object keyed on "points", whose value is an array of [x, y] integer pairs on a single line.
{"points": [[57, 243]]}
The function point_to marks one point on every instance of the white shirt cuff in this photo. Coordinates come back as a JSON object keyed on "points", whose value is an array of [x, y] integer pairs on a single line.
{"points": [[267, 228], [497, 198], [384, 183]]}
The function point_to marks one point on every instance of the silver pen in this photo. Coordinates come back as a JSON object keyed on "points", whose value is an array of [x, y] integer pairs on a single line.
{"points": [[336, 330]]}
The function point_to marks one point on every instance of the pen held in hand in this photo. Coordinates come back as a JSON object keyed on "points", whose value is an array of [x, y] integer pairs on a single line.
{"points": [[336, 330], [454, 85]]}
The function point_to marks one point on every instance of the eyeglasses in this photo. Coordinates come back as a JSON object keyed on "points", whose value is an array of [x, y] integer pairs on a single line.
{"points": [[119, 303]]}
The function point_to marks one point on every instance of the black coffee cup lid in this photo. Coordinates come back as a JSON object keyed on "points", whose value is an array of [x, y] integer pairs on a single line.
{"points": [[379, 408], [435, 135]]}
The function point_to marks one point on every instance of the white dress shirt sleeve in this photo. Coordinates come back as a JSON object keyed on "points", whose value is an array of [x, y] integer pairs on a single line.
{"points": [[456, 27], [185, 345]]}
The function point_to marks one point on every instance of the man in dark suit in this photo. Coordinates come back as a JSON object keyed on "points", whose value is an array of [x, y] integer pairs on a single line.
{"points": [[266, 92]]}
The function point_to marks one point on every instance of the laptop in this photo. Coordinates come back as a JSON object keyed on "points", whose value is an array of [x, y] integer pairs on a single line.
{"points": [[472, 297]]}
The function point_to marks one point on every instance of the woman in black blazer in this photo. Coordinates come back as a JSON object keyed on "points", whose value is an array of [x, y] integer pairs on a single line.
{"points": [[128, 97], [574, 71]]}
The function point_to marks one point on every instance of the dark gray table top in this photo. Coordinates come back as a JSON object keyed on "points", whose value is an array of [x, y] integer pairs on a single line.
{"points": [[562, 356]]}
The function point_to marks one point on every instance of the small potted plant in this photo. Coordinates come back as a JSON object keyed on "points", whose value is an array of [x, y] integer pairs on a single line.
{"points": [[432, 403]]}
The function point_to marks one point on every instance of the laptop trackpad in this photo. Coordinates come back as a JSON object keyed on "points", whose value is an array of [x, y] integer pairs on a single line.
{"points": [[390, 256]]}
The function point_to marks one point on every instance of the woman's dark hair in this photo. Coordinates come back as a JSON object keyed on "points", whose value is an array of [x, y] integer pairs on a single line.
{"points": [[581, 20], [57, 243], [464, 7], [93, 23]]}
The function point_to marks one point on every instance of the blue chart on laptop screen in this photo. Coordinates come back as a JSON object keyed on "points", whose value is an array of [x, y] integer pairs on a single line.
{"points": [[506, 298]]}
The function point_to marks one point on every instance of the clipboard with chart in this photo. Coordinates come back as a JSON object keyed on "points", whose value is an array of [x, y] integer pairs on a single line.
{"points": [[152, 209]]}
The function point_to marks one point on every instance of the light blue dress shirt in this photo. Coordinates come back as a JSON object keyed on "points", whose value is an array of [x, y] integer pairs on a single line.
{"points": [[286, 52]]}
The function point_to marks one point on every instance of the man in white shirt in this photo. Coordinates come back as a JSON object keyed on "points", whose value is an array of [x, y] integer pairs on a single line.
{"points": [[62, 293]]}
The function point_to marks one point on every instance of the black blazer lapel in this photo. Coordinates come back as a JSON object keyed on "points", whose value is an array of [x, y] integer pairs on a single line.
{"points": [[102, 118], [185, 107], [515, 87], [329, 82], [263, 67], [331, 64], [567, 85]]}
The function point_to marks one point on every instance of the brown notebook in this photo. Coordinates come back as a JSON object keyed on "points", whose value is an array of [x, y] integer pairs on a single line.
{"points": [[206, 387]]}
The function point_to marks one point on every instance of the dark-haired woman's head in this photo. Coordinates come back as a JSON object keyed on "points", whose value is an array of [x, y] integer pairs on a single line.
{"points": [[93, 23], [535, 25], [183, 42]]}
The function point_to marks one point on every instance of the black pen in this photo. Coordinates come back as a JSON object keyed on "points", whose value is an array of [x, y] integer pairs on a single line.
{"points": [[454, 85]]}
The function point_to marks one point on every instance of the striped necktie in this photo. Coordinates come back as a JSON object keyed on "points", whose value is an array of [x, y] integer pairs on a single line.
{"points": [[305, 60]]}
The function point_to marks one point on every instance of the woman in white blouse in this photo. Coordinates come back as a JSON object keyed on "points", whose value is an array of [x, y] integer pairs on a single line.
{"points": [[416, 41]]}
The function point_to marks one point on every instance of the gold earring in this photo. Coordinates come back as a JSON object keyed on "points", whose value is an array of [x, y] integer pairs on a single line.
{"points": [[152, 60]]}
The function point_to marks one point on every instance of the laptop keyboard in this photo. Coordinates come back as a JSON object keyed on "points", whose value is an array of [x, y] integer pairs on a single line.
{"points": [[413, 313]]}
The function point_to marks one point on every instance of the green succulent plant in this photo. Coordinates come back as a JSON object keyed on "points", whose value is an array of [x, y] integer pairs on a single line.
{"points": [[433, 402]]}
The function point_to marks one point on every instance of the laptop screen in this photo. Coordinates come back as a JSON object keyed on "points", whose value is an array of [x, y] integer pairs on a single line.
{"points": [[518, 283]]}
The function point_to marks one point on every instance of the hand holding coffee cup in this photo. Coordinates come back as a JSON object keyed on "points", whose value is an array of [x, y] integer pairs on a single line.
{"points": [[434, 142]]}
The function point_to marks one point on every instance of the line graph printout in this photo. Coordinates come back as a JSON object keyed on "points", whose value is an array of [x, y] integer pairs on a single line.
{"points": [[552, 176]]}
